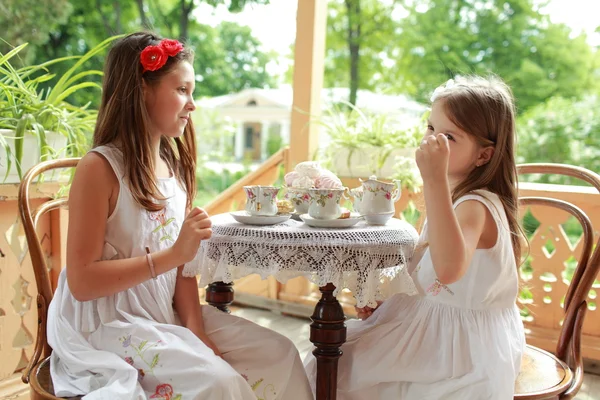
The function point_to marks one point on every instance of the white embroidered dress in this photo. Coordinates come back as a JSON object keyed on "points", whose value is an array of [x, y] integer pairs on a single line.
{"points": [[460, 341], [130, 345]]}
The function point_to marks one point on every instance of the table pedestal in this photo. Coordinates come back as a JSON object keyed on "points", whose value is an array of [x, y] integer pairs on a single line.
{"points": [[327, 333], [220, 295]]}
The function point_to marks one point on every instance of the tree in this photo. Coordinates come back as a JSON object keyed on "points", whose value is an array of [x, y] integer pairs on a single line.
{"points": [[561, 131], [188, 6], [355, 42], [30, 21], [91, 21], [510, 38], [228, 59], [419, 44]]}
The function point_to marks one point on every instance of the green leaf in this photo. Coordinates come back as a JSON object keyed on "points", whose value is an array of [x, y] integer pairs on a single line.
{"points": [[154, 361], [9, 155], [169, 221], [72, 90], [19, 138], [61, 85], [12, 53], [142, 345]]}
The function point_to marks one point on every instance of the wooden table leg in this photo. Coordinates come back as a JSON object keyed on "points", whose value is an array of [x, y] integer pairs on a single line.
{"points": [[327, 333], [220, 295]]}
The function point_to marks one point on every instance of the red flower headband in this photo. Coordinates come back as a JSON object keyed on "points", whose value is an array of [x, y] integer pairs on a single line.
{"points": [[154, 57]]}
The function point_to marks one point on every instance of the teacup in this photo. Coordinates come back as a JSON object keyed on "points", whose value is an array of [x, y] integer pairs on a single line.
{"points": [[261, 200], [325, 203], [300, 198]]}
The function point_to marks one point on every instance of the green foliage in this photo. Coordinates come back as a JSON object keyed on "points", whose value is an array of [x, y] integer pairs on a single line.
{"points": [[214, 135], [215, 182], [357, 37], [30, 21], [274, 143], [227, 57], [411, 47], [561, 131], [371, 136], [27, 109], [211, 183], [407, 172], [350, 127]]}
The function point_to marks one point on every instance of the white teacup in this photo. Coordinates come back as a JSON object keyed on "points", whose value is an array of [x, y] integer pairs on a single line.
{"points": [[325, 203], [300, 198], [261, 200]]}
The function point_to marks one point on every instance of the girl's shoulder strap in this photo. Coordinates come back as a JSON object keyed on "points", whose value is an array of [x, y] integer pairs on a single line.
{"points": [[114, 156]]}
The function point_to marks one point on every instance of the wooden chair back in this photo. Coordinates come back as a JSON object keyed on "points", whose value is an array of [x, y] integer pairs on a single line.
{"points": [[29, 219], [568, 348]]}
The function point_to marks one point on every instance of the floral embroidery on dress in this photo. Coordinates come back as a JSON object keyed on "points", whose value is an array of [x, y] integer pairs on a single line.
{"points": [[163, 223], [255, 386], [140, 350], [165, 391], [162, 391], [436, 287]]}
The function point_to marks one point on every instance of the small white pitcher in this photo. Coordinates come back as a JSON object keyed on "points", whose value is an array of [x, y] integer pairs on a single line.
{"points": [[261, 200], [378, 196]]}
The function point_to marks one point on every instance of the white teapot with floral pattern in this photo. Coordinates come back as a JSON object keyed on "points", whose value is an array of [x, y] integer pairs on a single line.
{"points": [[378, 196]]}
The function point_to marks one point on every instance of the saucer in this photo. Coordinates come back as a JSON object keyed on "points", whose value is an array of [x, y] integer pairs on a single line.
{"points": [[245, 218], [330, 223], [379, 218]]}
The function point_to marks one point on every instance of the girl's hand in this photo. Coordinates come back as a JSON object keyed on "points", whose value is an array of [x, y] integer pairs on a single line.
{"points": [[210, 344], [195, 228], [365, 312], [432, 157]]}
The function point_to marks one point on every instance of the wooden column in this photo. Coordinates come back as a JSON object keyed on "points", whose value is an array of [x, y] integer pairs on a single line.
{"points": [[311, 27]]}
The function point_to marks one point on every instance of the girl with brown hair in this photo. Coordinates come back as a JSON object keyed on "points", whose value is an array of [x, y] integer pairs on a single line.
{"points": [[461, 337], [124, 322]]}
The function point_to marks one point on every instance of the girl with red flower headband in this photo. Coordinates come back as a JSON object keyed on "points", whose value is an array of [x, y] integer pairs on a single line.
{"points": [[134, 325]]}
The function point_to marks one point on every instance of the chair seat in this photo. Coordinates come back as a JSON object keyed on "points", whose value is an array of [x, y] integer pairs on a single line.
{"points": [[542, 375], [41, 386]]}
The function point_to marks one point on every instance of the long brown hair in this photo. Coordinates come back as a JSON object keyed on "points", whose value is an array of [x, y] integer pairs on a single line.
{"points": [[123, 121], [484, 108]]}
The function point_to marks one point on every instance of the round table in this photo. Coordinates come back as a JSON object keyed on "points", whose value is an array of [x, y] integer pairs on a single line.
{"points": [[370, 261]]}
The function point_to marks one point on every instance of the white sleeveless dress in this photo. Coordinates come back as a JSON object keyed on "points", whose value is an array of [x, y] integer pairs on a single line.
{"points": [[459, 341], [131, 345]]}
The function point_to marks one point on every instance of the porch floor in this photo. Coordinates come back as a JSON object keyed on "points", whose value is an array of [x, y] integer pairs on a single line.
{"points": [[297, 329]]}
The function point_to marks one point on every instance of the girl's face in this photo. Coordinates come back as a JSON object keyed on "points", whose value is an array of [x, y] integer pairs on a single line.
{"points": [[169, 102], [465, 153]]}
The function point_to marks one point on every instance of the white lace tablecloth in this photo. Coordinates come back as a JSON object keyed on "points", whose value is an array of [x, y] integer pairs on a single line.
{"points": [[368, 260]]}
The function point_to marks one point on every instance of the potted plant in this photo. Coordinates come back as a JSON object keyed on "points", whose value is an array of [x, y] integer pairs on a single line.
{"points": [[363, 144], [37, 125]]}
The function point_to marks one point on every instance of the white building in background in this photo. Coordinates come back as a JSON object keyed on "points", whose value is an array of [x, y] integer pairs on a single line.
{"points": [[258, 113]]}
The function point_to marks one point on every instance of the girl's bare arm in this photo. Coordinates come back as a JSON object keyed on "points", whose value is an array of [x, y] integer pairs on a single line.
{"points": [[453, 234], [89, 278]]}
